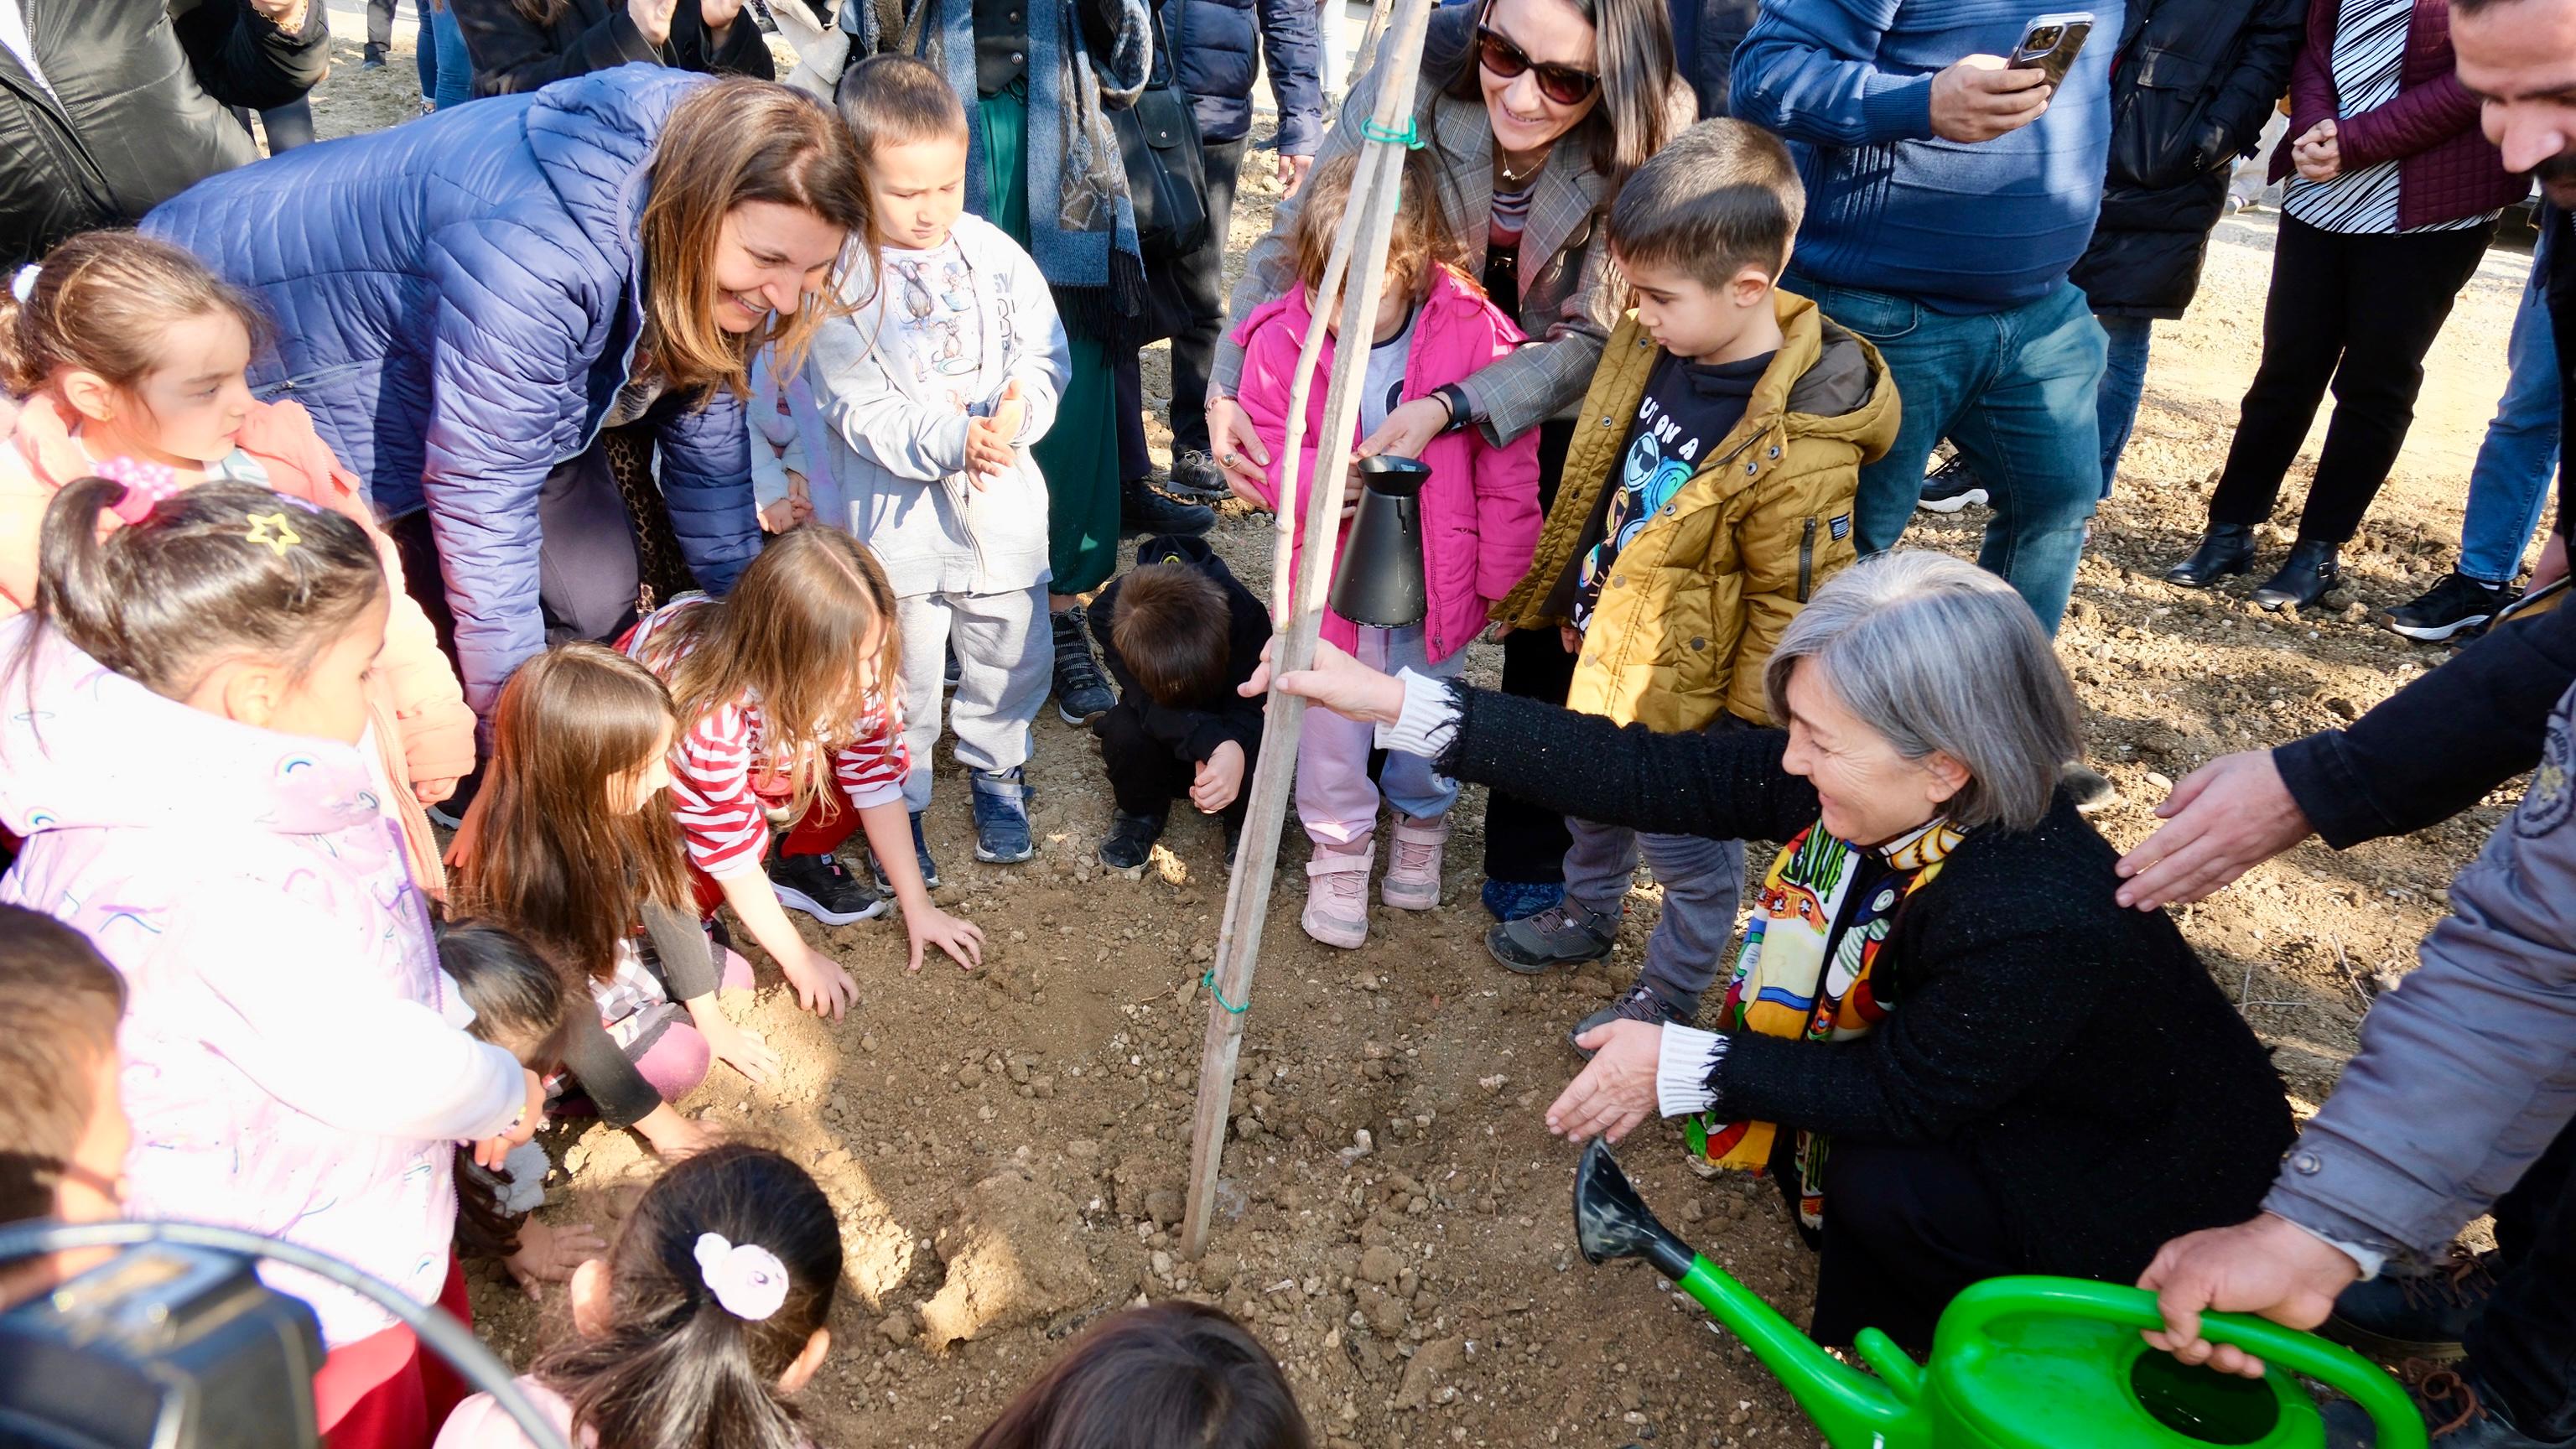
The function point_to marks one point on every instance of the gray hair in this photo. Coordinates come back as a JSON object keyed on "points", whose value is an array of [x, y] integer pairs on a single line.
{"points": [[1938, 656]]}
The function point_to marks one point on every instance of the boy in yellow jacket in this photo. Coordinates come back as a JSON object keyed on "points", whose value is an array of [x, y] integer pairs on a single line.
{"points": [[1708, 491]]}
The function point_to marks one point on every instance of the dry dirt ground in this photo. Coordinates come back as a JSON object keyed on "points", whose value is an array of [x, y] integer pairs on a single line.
{"points": [[1007, 1147]]}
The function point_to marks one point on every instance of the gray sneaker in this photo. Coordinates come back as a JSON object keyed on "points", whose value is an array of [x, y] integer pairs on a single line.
{"points": [[1565, 934], [1640, 1004]]}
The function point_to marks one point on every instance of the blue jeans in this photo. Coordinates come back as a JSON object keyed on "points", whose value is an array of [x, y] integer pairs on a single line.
{"points": [[2017, 392], [446, 70], [2124, 381], [2510, 481]]}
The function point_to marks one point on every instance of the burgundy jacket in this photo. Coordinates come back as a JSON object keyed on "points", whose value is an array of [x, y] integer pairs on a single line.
{"points": [[2446, 169]]}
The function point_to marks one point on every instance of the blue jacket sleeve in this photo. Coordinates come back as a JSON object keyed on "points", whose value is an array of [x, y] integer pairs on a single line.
{"points": [[506, 405], [1292, 48], [1808, 71], [706, 481]]}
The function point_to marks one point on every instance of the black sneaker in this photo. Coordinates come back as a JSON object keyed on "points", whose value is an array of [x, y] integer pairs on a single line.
{"points": [[1142, 510], [920, 857], [1640, 1004], [1565, 934], [1196, 477], [1130, 841], [1082, 694], [822, 888], [2457, 605], [1950, 487], [2412, 1310]]}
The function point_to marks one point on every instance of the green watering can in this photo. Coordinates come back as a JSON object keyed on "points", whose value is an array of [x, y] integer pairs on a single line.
{"points": [[2017, 1363]]}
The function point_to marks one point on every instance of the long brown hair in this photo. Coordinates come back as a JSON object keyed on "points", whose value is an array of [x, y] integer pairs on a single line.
{"points": [[1632, 50], [552, 854], [101, 302], [1420, 240], [732, 141], [793, 634]]}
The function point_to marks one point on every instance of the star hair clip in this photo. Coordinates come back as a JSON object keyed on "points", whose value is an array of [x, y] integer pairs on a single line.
{"points": [[272, 529]]}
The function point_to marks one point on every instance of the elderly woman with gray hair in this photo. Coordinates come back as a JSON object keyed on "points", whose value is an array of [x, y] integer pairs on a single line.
{"points": [[1955, 1051]]}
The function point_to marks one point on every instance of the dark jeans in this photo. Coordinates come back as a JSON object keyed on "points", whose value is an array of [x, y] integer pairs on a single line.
{"points": [[2524, 1344], [1145, 776], [1202, 278], [1525, 843], [2358, 312], [1906, 1227], [288, 126]]}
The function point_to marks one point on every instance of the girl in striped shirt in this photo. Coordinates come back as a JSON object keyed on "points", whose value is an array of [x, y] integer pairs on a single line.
{"points": [[783, 690]]}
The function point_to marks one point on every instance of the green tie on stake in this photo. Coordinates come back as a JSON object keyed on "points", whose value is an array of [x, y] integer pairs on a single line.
{"points": [[2017, 1363], [1297, 597]]}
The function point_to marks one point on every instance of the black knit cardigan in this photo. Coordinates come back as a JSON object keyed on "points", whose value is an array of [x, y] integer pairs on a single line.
{"points": [[2077, 1054]]}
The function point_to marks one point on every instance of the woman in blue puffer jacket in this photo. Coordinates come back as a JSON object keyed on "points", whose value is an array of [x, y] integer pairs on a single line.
{"points": [[466, 301]]}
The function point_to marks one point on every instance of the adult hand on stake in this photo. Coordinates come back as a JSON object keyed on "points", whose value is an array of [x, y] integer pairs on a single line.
{"points": [[1238, 449], [1219, 779], [1617, 1090], [653, 19], [1337, 682], [2269, 1266], [2224, 819], [1978, 99]]}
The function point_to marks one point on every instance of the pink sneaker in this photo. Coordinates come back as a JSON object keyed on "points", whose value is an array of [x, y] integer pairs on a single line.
{"points": [[1413, 873], [1337, 898]]}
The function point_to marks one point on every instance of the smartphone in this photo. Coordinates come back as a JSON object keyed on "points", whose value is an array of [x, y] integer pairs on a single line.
{"points": [[2051, 43]]}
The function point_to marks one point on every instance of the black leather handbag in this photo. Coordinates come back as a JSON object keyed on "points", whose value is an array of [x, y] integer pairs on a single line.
{"points": [[1158, 138]]}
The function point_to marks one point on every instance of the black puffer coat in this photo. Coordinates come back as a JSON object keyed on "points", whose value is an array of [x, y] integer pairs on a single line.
{"points": [[2194, 83], [1217, 45], [513, 53], [135, 110]]}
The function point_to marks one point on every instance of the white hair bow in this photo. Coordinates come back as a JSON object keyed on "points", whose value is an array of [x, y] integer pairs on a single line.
{"points": [[746, 1278], [23, 285]]}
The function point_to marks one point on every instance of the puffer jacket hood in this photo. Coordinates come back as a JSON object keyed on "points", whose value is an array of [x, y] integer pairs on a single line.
{"points": [[1697, 600], [292, 1063], [458, 302]]}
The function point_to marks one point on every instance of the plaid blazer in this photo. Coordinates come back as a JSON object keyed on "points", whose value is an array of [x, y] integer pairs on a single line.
{"points": [[1571, 294]]}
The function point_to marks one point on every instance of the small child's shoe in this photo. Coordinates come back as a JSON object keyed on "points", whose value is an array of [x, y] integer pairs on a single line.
{"points": [[1002, 817], [920, 857], [1337, 898], [1413, 872], [1130, 841]]}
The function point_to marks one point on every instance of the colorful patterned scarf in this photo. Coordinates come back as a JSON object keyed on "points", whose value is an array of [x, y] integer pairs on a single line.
{"points": [[1783, 984]]}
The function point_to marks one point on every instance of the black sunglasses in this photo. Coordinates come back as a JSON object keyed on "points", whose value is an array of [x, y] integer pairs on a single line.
{"points": [[1563, 84]]}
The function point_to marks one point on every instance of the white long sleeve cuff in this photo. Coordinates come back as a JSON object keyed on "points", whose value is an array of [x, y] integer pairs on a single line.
{"points": [[1683, 1066], [1429, 721]]}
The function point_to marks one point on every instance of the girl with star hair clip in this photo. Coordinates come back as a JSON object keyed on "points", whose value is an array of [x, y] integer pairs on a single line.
{"points": [[701, 1324]]}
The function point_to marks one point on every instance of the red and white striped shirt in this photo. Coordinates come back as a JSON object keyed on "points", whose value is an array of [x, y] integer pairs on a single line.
{"points": [[724, 785]]}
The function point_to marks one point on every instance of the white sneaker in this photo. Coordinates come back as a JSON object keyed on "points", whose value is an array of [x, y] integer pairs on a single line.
{"points": [[1337, 898], [1413, 872]]}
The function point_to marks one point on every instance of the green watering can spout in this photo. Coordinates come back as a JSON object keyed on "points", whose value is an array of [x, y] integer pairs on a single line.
{"points": [[1853, 1410]]}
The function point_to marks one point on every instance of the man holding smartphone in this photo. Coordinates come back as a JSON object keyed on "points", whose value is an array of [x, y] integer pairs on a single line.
{"points": [[1948, 193]]}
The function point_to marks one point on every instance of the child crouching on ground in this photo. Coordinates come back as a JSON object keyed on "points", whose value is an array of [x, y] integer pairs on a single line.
{"points": [[1178, 635], [1678, 550], [1480, 517], [931, 393]]}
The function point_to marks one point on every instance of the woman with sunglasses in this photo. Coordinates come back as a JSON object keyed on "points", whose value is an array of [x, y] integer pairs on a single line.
{"points": [[1532, 113]]}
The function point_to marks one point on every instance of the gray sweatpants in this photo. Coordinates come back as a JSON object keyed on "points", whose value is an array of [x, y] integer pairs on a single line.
{"points": [[1702, 880], [1003, 673]]}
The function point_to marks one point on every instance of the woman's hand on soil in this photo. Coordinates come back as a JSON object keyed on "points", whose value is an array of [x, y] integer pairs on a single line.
{"points": [[2269, 1266], [1238, 449], [955, 935], [740, 1050], [2224, 819], [821, 986], [1337, 682], [550, 1254], [1408, 430], [1617, 1090]]}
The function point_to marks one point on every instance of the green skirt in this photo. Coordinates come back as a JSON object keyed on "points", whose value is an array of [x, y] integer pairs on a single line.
{"points": [[1079, 454]]}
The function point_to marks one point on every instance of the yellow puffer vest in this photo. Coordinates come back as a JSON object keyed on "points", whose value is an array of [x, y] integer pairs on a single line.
{"points": [[1696, 601]]}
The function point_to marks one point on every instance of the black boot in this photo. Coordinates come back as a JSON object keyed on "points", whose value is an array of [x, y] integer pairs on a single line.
{"points": [[2228, 548], [2304, 578], [1142, 510]]}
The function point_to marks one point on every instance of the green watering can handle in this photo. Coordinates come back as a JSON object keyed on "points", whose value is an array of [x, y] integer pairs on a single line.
{"points": [[2399, 1426]]}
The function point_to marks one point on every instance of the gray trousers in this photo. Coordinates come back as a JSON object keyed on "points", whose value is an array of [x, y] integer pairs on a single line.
{"points": [[1003, 674], [1702, 880], [587, 569]]}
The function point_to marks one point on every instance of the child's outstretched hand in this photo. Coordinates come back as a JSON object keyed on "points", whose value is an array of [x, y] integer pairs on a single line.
{"points": [[739, 1049], [931, 926], [821, 986], [1220, 778], [550, 1254]]}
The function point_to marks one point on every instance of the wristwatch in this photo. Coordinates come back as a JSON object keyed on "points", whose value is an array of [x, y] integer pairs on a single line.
{"points": [[1454, 398]]}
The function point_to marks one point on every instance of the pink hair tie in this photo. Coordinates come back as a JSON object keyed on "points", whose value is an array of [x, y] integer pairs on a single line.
{"points": [[146, 484]]}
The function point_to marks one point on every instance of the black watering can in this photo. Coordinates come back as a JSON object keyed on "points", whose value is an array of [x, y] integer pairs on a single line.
{"points": [[1378, 579]]}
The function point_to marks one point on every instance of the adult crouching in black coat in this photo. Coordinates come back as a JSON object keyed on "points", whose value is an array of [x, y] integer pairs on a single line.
{"points": [[1957, 1053], [519, 45]]}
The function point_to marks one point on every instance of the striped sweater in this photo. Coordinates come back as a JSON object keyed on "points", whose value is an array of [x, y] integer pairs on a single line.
{"points": [[727, 781]]}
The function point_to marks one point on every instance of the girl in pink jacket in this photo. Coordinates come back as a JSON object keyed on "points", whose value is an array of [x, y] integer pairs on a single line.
{"points": [[184, 744], [129, 355], [1480, 523]]}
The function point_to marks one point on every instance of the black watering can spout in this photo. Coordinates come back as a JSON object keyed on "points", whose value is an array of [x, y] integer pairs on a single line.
{"points": [[1611, 1221], [1379, 578]]}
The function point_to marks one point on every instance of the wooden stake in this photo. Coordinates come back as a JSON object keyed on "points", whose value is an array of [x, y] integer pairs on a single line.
{"points": [[1297, 596]]}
